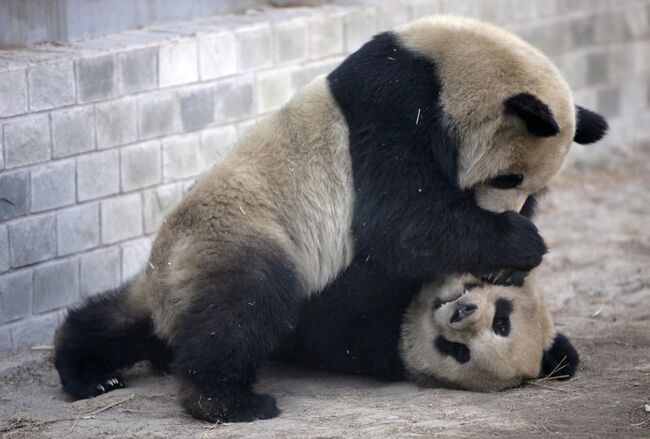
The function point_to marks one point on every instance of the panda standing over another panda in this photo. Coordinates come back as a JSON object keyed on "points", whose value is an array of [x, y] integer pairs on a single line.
{"points": [[415, 154]]}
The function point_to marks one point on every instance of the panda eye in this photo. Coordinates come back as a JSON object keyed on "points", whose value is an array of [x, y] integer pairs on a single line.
{"points": [[501, 321], [508, 181], [501, 326]]}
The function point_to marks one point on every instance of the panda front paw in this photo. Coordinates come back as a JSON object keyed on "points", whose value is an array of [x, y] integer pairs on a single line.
{"points": [[508, 278], [518, 246]]}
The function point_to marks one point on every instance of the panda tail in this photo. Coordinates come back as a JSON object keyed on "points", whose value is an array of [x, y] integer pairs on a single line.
{"points": [[102, 336]]}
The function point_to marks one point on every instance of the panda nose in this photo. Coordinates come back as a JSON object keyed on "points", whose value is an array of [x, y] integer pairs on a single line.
{"points": [[463, 310]]}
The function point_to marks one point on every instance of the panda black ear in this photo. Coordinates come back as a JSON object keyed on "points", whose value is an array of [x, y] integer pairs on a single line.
{"points": [[590, 126], [536, 115], [561, 359]]}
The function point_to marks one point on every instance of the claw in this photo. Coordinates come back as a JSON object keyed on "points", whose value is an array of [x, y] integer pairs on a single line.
{"points": [[101, 388]]}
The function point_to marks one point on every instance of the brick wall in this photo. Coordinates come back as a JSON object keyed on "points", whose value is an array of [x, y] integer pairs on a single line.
{"points": [[100, 138]]}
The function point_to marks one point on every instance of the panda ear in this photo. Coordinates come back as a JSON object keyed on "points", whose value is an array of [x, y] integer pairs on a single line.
{"points": [[561, 359], [590, 126], [536, 115]]}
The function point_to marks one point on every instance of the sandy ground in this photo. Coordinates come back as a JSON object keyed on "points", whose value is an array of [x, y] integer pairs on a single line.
{"points": [[596, 278]]}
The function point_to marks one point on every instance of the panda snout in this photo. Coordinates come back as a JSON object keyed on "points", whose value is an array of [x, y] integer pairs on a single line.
{"points": [[462, 311]]}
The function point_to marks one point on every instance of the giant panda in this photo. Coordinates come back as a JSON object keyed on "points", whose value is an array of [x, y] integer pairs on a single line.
{"points": [[460, 332], [401, 155]]}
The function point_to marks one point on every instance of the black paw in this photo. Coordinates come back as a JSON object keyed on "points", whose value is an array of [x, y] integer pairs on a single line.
{"points": [[229, 403], [507, 278], [108, 384], [88, 387], [519, 246]]}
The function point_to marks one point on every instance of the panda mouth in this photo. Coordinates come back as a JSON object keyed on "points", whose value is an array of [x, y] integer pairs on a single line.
{"points": [[438, 302]]}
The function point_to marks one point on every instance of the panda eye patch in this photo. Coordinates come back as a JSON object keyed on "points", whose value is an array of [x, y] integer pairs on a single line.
{"points": [[501, 321], [507, 181]]}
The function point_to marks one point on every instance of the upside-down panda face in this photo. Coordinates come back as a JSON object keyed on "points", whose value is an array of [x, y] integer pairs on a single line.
{"points": [[506, 103], [467, 334]]}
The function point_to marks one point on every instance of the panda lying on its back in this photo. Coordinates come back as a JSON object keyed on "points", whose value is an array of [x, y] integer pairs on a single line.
{"points": [[461, 332], [458, 332]]}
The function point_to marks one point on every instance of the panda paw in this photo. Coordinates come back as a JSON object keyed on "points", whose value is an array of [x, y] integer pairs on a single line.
{"points": [[508, 278], [519, 246], [107, 385]]}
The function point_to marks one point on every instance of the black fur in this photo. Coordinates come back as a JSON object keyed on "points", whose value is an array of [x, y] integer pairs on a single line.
{"points": [[458, 351], [354, 325], [536, 115], [590, 126], [410, 214], [99, 338], [561, 359], [240, 313]]}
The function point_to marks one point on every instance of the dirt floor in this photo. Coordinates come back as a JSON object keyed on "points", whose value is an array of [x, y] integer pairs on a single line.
{"points": [[596, 278]]}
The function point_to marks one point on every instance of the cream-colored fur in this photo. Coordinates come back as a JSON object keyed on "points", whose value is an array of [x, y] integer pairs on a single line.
{"points": [[496, 362], [480, 66], [287, 182]]}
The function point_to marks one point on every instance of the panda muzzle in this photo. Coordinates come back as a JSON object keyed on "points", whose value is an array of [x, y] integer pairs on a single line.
{"points": [[462, 311]]}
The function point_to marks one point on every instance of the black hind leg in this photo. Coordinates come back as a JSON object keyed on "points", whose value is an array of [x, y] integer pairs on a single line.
{"points": [[233, 325], [100, 337]]}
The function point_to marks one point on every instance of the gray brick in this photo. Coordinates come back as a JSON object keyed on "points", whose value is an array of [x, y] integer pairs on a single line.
{"points": [[138, 70], [360, 25], [116, 123], [197, 107], [181, 157], [77, 229], [597, 68], [392, 14], [73, 131], [215, 143], [51, 86], [100, 271], [97, 78], [609, 101], [141, 165], [325, 36], [53, 185], [178, 63], [13, 93], [158, 202], [98, 175], [254, 47], [304, 74], [638, 20], [611, 27], [4, 248], [5, 340], [551, 38], [121, 218], [34, 331], [234, 99], [582, 32], [16, 295], [274, 89], [158, 115], [290, 41], [422, 8], [217, 56], [14, 194], [32, 240], [134, 257], [27, 141]]}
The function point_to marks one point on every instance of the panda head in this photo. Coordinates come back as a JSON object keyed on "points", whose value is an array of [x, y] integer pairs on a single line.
{"points": [[467, 334], [506, 103]]}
